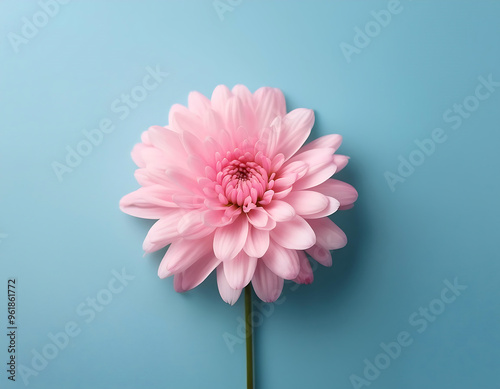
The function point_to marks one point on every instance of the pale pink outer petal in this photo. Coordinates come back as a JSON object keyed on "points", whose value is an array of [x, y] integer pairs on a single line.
{"points": [[332, 207], [332, 141], [257, 242], [229, 240], [194, 146], [267, 285], [295, 234], [163, 232], [147, 202], [321, 255], [182, 119], [258, 217], [245, 96], [305, 275], [238, 119], [320, 167], [239, 270], [296, 127], [151, 176], [340, 161], [280, 211], [328, 234], [181, 254], [198, 103], [169, 142], [228, 294], [196, 273], [307, 202], [268, 138], [192, 226], [220, 96], [342, 191], [149, 156], [269, 103], [282, 262]]}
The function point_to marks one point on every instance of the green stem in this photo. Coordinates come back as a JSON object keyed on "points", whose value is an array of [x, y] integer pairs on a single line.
{"points": [[249, 330]]}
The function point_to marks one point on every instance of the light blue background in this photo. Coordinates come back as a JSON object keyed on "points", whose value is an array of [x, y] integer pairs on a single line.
{"points": [[64, 239]]}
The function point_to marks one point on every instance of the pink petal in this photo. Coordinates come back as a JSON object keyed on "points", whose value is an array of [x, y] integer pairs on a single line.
{"points": [[194, 146], [238, 116], [239, 270], [305, 274], [183, 181], [147, 203], [267, 285], [339, 190], [285, 182], [332, 207], [220, 96], [169, 146], [228, 294], [328, 234], [137, 153], [295, 234], [258, 217], [149, 156], [280, 211], [213, 123], [182, 254], [269, 103], [151, 176], [331, 141], [297, 126], [257, 242], [163, 232], [340, 161], [298, 167], [245, 96], [229, 240], [268, 138], [182, 119], [192, 226], [198, 103], [282, 262], [306, 202], [320, 167], [321, 255], [196, 274]]}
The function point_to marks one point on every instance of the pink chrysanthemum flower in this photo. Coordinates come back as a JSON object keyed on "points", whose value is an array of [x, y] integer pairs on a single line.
{"points": [[235, 190]]}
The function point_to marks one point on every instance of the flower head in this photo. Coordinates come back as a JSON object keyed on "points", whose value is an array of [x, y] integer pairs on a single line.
{"points": [[235, 190]]}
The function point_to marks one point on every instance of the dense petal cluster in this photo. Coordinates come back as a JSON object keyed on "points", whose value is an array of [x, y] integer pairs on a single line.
{"points": [[234, 189]]}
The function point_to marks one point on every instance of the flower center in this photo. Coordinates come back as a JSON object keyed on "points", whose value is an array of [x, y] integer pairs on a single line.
{"points": [[243, 180]]}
